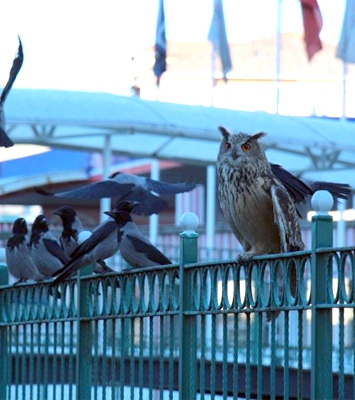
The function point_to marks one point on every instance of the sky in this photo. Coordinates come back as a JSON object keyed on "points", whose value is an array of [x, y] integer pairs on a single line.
{"points": [[88, 45]]}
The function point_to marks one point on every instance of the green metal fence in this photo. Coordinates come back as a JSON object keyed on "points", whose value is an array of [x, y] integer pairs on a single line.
{"points": [[187, 331]]}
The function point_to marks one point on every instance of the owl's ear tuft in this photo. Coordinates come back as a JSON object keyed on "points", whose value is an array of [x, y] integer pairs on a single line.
{"points": [[224, 132], [257, 136]]}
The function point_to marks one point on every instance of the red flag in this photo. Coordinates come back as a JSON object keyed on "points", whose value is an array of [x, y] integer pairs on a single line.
{"points": [[312, 21]]}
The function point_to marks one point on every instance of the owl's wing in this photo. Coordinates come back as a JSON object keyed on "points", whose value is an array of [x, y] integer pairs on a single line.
{"points": [[230, 217], [286, 218]]}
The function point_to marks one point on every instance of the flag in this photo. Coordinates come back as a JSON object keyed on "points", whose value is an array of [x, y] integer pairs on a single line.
{"points": [[312, 22], [346, 46], [160, 44], [218, 36]]}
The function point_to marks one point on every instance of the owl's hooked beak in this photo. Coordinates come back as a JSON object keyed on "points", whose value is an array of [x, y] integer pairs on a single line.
{"points": [[234, 154]]}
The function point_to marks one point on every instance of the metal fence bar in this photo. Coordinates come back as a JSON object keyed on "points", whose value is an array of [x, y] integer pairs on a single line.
{"points": [[321, 375], [84, 340], [116, 336], [187, 359], [4, 342]]}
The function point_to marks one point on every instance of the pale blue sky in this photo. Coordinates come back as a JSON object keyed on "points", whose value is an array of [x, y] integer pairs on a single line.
{"points": [[87, 45]]}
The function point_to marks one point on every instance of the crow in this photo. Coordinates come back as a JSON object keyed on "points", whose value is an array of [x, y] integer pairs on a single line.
{"points": [[130, 188], [72, 227], [47, 253], [135, 248], [102, 244], [18, 254], [5, 141]]}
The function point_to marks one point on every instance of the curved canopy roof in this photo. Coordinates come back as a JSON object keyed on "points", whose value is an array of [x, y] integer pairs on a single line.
{"points": [[139, 128]]}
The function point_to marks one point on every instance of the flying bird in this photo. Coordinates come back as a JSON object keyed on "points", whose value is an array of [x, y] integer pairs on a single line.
{"points": [[130, 188], [72, 227], [5, 141], [18, 254], [47, 253], [135, 248]]}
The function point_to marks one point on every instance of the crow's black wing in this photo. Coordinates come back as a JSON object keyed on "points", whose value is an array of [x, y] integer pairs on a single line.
{"points": [[5, 141], [73, 265], [168, 188], [96, 190], [150, 251], [16, 66], [97, 236], [149, 203], [54, 248]]}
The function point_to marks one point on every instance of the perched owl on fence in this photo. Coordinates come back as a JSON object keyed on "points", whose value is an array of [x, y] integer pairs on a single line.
{"points": [[255, 203]]}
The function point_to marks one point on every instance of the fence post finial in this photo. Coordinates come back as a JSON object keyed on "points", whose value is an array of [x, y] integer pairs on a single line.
{"points": [[322, 202], [189, 222]]}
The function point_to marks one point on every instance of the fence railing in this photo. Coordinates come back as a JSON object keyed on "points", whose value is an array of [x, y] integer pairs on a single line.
{"points": [[187, 330]]}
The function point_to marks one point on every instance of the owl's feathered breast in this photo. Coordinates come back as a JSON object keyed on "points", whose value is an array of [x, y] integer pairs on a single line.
{"points": [[244, 196]]}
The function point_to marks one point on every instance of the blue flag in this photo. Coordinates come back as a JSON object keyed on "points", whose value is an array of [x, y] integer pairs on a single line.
{"points": [[218, 36], [160, 44], [346, 46]]}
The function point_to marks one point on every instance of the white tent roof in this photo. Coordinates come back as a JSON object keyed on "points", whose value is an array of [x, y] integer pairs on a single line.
{"points": [[139, 128]]}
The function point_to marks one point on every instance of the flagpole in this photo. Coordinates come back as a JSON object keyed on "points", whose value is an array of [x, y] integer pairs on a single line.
{"points": [[278, 55], [213, 81], [345, 71], [218, 37]]}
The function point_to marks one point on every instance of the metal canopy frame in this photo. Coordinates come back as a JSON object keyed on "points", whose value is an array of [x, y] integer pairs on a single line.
{"points": [[175, 132], [111, 124]]}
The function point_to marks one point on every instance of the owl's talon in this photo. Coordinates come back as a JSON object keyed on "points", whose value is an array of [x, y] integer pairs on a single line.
{"points": [[244, 257]]}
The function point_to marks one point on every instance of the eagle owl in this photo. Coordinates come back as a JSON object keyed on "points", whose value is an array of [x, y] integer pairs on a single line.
{"points": [[255, 203]]}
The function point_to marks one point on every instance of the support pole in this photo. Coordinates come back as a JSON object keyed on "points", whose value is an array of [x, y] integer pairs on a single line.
{"points": [[4, 341], [154, 218], [345, 71], [213, 80], [105, 204], [341, 225], [187, 323], [84, 339], [278, 55], [211, 207]]}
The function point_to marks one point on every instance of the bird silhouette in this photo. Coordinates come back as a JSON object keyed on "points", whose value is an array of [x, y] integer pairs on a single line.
{"points": [[46, 251], [72, 227], [127, 187], [18, 254], [5, 141], [102, 244], [135, 248]]}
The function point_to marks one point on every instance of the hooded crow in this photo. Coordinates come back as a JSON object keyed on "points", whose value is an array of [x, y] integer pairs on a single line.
{"points": [[102, 244], [47, 254], [130, 188], [72, 227], [135, 248], [5, 141], [18, 254]]}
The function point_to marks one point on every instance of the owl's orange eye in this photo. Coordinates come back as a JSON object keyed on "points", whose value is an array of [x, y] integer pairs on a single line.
{"points": [[227, 146], [246, 147]]}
